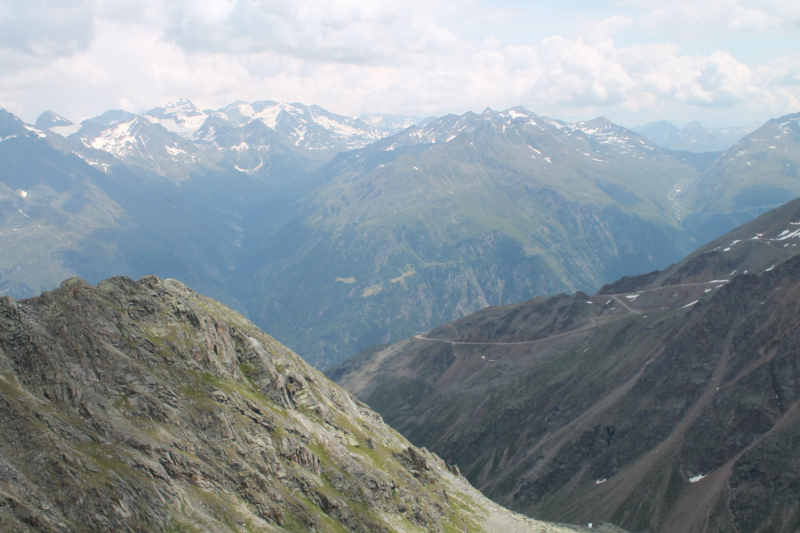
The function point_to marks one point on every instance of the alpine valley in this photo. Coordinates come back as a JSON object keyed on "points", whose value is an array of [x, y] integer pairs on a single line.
{"points": [[664, 402], [338, 233]]}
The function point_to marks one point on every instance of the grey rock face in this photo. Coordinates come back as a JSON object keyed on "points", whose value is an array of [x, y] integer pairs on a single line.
{"points": [[143, 406]]}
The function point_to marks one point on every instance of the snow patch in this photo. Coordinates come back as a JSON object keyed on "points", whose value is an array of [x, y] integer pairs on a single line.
{"points": [[174, 151], [37, 132], [770, 268], [23, 194], [117, 140], [690, 304], [695, 479], [599, 481], [786, 234], [65, 131]]}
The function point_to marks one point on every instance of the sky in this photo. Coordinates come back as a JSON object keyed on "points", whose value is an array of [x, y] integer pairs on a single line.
{"points": [[723, 62]]}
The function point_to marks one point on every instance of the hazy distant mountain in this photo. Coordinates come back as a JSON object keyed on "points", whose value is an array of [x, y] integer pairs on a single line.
{"points": [[756, 174], [50, 119], [273, 140], [468, 211], [665, 402], [68, 209], [181, 117], [10, 125], [311, 130], [693, 137]]}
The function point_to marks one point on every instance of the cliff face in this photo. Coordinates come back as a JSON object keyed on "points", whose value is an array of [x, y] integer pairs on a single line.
{"points": [[667, 402], [143, 406]]}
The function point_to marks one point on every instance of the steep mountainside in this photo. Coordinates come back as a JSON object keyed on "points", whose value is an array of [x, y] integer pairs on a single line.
{"points": [[665, 402], [436, 222], [143, 406], [693, 137], [755, 175]]}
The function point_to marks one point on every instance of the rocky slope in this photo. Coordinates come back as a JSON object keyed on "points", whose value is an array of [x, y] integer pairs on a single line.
{"points": [[665, 402], [143, 406]]}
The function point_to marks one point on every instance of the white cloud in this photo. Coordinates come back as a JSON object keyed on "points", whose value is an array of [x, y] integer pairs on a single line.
{"points": [[721, 15], [390, 56], [42, 28]]}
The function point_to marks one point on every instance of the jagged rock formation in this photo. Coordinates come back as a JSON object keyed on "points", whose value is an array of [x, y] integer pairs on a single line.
{"points": [[143, 406], [667, 402]]}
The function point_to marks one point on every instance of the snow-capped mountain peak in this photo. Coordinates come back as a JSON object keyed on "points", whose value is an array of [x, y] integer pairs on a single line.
{"points": [[50, 119], [182, 117]]}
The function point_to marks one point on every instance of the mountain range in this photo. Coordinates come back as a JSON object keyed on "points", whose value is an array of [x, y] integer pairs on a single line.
{"points": [[663, 402], [759, 172], [335, 251], [693, 137], [467, 211]]}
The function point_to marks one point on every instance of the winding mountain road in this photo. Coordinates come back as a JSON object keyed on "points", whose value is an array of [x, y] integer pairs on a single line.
{"points": [[592, 321]]}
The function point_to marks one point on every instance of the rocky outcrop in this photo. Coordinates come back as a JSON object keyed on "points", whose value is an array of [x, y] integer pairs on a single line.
{"points": [[143, 406]]}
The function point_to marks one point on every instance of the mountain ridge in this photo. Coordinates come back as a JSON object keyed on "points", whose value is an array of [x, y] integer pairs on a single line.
{"points": [[145, 406]]}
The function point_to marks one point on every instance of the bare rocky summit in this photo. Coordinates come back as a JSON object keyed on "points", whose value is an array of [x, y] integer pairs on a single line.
{"points": [[143, 406]]}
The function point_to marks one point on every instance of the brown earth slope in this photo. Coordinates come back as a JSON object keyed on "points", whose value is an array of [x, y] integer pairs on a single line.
{"points": [[666, 402]]}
